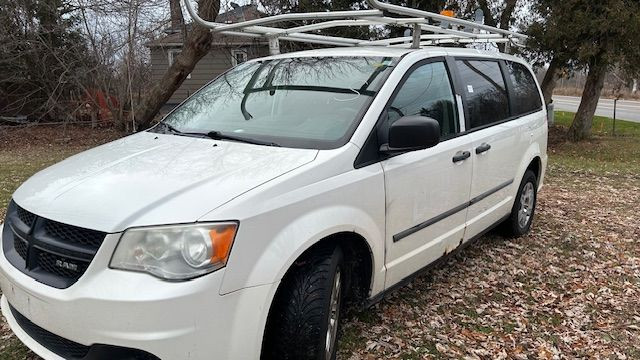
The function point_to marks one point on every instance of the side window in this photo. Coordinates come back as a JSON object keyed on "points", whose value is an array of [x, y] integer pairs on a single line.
{"points": [[526, 97], [485, 90], [426, 92]]}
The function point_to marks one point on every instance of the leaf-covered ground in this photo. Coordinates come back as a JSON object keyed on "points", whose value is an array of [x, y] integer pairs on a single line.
{"points": [[570, 289]]}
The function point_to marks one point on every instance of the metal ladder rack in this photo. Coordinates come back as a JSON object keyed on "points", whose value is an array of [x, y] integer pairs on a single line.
{"points": [[427, 28]]}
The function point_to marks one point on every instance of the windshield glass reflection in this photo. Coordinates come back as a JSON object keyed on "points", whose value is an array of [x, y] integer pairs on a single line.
{"points": [[309, 102]]}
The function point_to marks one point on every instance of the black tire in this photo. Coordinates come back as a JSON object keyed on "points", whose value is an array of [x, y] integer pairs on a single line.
{"points": [[299, 317], [514, 226]]}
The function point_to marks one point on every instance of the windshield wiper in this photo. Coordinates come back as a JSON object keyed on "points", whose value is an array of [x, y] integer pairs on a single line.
{"points": [[217, 135], [172, 129]]}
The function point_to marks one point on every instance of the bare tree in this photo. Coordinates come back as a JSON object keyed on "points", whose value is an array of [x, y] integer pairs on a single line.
{"points": [[42, 59], [177, 19], [117, 31], [197, 45], [497, 13]]}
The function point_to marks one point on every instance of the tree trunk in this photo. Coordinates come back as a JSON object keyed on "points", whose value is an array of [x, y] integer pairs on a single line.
{"points": [[634, 89], [504, 18], [507, 14], [551, 79], [581, 127], [488, 16], [177, 20], [197, 45]]}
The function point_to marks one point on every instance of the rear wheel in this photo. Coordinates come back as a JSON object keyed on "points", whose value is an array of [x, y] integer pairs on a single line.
{"points": [[521, 218], [305, 316]]}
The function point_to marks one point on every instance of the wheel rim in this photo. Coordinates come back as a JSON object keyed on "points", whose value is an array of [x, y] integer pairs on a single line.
{"points": [[527, 202], [334, 314]]}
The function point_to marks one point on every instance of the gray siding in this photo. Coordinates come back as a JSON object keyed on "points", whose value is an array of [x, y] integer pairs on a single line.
{"points": [[212, 65]]}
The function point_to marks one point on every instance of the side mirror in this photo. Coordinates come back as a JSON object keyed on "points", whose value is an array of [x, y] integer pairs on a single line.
{"points": [[410, 133]]}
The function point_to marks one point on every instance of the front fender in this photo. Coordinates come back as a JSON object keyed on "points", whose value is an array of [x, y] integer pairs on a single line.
{"points": [[275, 233], [306, 230]]}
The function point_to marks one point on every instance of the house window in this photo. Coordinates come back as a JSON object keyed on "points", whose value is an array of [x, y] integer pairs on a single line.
{"points": [[238, 57], [173, 54]]}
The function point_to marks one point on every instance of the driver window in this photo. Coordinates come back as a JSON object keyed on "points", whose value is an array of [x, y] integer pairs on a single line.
{"points": [[426, 92]]}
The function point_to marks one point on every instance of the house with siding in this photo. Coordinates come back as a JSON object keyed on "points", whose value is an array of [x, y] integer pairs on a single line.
{"points": [[227, 51]]}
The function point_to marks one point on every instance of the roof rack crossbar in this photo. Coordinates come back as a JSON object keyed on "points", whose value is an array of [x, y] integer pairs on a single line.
{"points": [[401, 10], [299, 16], [424, 24], [442, 29], [479, 38], [310, 38], [453, 41], [325, 25]]}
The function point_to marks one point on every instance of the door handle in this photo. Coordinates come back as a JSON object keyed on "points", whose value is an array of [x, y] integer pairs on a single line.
{"points": [[461, 156], [483, 148]]}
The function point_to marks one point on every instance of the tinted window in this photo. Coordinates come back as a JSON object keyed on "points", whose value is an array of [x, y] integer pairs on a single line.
{"points": [[309, 102], [485, 90], [426, 92], [526, 97]]}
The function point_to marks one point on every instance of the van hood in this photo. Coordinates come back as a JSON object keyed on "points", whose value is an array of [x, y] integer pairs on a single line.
{"points": [[152, 179]]}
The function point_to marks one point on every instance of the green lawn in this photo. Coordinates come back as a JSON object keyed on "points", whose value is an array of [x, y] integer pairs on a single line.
{"points": [[619, 154], [602, 125]]}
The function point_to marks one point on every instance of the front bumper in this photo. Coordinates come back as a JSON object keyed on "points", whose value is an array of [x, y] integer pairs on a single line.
{"points": [[171, 320]]}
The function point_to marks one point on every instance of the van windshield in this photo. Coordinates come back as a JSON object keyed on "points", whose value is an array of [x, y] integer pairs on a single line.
{"points": [[309, 102]]}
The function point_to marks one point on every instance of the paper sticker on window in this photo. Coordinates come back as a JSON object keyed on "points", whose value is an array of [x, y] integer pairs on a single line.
{"points": [[470, 89]]}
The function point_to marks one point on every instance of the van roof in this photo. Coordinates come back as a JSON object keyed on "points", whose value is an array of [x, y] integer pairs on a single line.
{"points": [[384, 51]]}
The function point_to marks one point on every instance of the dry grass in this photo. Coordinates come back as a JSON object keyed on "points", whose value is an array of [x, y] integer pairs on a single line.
{"points": [[567, 290]]}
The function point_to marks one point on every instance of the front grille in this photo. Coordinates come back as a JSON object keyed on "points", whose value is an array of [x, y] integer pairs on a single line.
{"points": [[21, 247], [73, 234], [50, 263], [26, 217], [53, 253], [57, 344]]}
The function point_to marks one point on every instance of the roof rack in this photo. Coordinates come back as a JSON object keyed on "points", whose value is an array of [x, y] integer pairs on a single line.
{"points": [[427, 28]]}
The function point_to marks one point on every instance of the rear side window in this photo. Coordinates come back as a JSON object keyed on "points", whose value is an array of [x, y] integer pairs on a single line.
{"points": [[526, 97], [485, 90]]}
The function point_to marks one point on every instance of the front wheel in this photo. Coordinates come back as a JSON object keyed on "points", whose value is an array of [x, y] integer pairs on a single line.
{"points": [[519, 222], [305, 316]]}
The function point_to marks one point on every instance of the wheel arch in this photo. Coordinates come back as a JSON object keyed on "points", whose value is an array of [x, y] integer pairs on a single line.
{"points": [[358, 256], [359, 260], [532, 160], [535, 165]]}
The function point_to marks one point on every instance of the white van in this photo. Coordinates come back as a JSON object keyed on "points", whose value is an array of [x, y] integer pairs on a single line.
{"points": [[241, 225]]}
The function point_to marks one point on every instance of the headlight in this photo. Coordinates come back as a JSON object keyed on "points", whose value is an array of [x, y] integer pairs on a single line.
{"points": [[175, 252]]}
